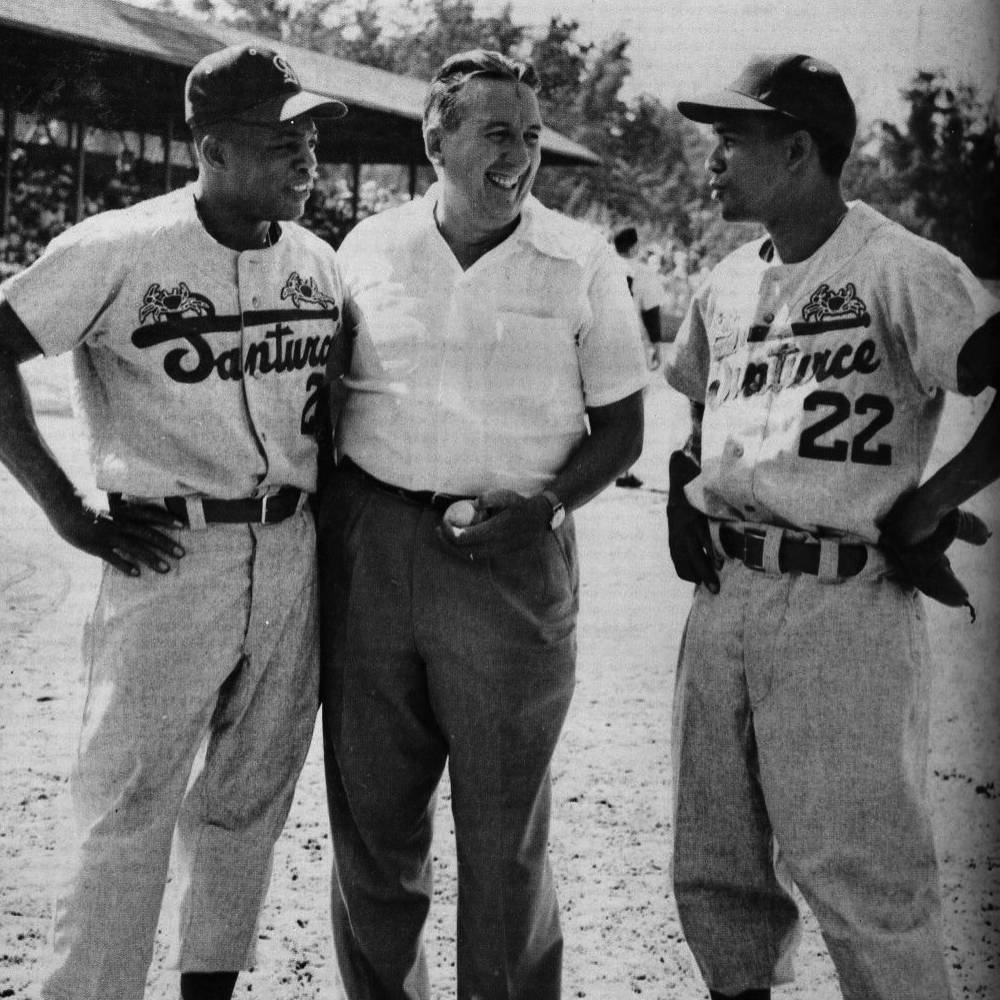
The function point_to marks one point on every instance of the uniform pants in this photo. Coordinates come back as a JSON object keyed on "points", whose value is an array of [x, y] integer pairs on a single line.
{"points": [[429, 660], [224, 646], [800, 750]]}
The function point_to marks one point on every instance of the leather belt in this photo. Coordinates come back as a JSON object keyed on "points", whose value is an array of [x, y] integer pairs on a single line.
{"points": [[421, 498], [794, 556], [261, 510]]}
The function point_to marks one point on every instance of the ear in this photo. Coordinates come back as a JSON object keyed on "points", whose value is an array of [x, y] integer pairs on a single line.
{"points": [[433, 136], [799, 148], [214, 153]]}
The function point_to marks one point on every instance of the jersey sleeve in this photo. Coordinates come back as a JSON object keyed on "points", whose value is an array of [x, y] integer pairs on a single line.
{"points": [[935, 304], [62, 296], [612, 365], [687, 368]]}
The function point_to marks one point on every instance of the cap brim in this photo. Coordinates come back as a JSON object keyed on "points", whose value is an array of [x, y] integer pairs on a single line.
{"points": [[707, 108], [313, 105], [285, 109]]}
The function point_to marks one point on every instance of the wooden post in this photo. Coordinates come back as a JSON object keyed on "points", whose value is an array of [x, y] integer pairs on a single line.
{"points": [[9, 135], [355, 186], [81, 166], [168, 149]]}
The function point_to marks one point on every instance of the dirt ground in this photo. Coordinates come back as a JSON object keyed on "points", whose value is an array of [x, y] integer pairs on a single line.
{"points": [[611, 830]]}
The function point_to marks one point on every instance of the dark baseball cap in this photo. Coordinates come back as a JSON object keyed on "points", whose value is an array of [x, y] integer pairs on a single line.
{"points": [[796, 86], [251, 83]]}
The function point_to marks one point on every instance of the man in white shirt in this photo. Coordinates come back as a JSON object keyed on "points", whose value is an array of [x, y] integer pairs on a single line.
{"points": [[496, 359]]}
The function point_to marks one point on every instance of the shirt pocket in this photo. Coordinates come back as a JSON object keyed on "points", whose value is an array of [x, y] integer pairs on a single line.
{"points": [[535, 357]]}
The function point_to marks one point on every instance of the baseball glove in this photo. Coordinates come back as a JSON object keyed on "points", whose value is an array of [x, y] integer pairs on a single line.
{"points": [[688, 535], [925, 565]]}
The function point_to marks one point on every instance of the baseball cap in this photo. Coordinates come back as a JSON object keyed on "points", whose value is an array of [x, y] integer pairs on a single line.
{"points": [[253, 82], [796, 86]]}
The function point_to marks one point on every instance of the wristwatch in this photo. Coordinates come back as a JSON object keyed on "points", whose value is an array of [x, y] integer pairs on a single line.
{"points": [[558, 509]]}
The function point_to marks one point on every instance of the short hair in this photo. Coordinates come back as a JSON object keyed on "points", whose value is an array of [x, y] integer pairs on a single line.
{"points": [[442, 101], [625, 239], [833, 153]]}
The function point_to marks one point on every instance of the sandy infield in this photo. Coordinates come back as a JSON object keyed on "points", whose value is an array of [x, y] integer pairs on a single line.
{"points": [[611, 830]]}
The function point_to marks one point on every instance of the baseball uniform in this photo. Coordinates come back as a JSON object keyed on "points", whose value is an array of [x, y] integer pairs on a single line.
{"points": [[196, 370], [801, 711]]}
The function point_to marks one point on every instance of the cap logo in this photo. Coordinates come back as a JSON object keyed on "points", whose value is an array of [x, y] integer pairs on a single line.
{"points": [[282, 65]]}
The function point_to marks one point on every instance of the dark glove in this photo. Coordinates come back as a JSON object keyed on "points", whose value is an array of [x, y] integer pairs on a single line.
{"points": [[691, 546], [925, 566]]}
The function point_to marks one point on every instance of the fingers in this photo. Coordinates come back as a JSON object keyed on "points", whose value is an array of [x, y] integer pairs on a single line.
{"points": [[508, 529], [971, 529], [135, 544], [135, 539]]}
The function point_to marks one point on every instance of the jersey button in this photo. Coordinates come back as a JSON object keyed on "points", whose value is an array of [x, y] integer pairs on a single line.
{"points": [[738, 450], [255, 301], [768, 317]]}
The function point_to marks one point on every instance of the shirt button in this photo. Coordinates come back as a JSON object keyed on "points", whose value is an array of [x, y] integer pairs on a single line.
{"points": [[738, 450], [255, 301], [768, 317]]}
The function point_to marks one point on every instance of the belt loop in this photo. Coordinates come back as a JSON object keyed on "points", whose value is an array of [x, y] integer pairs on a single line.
{"points": [[772, 550], [829, 560], [195, 512]]}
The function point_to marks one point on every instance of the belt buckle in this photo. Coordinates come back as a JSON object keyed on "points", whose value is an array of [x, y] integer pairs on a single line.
{"points": [[753, 548], [264, 500]]}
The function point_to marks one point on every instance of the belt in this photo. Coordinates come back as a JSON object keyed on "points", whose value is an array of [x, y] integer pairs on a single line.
{"points": [[262, 510], [794, 556], [421, 498]]}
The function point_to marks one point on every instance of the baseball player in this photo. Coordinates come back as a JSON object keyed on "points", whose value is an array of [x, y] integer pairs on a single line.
{"points": [[821, 354], [200, 323], [648, 296], [647, 292]]}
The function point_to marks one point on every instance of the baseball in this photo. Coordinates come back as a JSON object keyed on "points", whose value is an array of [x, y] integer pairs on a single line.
{"points": [[461, 514]]}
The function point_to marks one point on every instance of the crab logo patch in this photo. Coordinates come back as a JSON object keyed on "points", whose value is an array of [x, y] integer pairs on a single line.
{"points": [[305, 292], [165, 304], [833, 304]]}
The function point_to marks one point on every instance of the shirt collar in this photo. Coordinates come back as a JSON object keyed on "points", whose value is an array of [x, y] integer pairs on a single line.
{"points": [[532, 229]]}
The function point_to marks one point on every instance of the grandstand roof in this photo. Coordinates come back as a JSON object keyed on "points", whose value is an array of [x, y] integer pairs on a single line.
{"points": [[119, 66]]}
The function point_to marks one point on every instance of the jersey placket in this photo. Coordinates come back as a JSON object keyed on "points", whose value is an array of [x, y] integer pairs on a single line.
{"points": [[251, 275]]}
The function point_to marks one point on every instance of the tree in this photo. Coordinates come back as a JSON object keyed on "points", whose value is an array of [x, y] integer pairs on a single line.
{"points": [[938, 175]]}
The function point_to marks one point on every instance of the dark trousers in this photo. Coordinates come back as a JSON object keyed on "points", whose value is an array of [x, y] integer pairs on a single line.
{"points": [[427, 661]]}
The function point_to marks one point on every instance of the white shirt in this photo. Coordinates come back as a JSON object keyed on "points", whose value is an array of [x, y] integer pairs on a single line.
{"points": [[466, 381], [823, 381], [197, 368]]}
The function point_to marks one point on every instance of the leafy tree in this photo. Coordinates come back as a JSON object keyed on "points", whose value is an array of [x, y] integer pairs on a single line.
{"points": [[938, 174]]}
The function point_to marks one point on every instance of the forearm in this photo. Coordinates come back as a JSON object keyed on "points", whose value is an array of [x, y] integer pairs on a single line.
{"points": [[613, 445], [972, 469], [23, 450]]}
